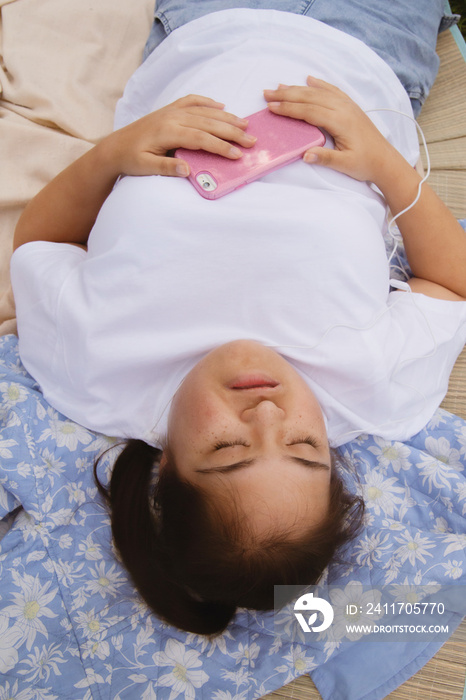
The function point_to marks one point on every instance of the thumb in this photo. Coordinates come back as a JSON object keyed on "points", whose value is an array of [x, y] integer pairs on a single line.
{"points": [[151, 164], [323, 156]]}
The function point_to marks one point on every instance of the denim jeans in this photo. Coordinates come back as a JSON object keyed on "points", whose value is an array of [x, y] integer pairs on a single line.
{"points": [[402, 32]]}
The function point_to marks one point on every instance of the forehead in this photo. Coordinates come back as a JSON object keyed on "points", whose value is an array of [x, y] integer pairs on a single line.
{"points": [[271, 484], [290, 501]]}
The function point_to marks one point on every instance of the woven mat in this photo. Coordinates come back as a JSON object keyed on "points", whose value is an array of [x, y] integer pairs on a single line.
{"points": [[443, 121]]}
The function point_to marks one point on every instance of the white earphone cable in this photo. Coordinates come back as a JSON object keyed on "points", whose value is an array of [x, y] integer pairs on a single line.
{"points": [[401, 268]]}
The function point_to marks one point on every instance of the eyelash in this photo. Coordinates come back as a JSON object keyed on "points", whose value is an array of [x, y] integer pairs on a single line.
{"points": [[305, 439], [221, 445]]}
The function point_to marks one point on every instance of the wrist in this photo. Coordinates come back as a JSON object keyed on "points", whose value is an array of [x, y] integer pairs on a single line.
{"points": [[107, 157], [393, 172]]}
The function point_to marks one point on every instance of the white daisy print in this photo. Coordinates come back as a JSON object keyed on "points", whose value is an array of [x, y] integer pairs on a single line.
{"points": [[393, 454], [30, 605], [26, 694], [50, 466], [246, 653], [370, 548], [437, 419], [297, 664], [66, 434], [10, 640], [441, 464], [98, 648], [299, 661], [436, 474], [76, 493], [43, 662], [12, 394], [68, 572], [185, 675], [381, 494], [106, 580], [453, 568], [89, 549], [89, 623], [413, 548]]}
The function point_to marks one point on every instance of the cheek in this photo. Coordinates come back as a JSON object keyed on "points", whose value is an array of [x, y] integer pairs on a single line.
{"points": [[193, 417], [309, 410], [311, 414]]}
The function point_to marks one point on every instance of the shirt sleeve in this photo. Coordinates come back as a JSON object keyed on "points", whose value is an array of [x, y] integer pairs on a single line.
{"points": [[39, 270], [427, 335]]}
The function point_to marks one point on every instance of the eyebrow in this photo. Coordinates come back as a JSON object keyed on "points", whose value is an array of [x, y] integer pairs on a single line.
{"points": [[236, 466]]}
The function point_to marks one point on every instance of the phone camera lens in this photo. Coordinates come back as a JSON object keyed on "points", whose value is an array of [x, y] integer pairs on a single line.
{"points": [[206, 181]]}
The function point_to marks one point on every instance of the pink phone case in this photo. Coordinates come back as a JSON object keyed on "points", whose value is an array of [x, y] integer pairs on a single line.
{"points": [[280, 140]]}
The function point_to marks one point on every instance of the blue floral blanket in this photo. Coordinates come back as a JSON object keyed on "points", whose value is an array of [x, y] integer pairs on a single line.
{"points": [[72, 626]]}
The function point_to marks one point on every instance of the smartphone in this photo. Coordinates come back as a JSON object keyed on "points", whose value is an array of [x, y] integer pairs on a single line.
{"points": [[280, 140]]}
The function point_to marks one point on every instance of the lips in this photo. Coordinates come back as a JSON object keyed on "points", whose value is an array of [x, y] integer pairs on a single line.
{"points": [[253, 381]]}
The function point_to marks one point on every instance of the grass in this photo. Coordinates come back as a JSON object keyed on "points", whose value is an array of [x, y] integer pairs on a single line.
{"points": [[459, 8]]}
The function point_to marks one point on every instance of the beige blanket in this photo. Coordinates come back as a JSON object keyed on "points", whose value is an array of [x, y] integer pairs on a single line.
{"points": [[63, 66]]}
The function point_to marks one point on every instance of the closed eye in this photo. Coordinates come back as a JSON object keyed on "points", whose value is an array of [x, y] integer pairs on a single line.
{"points": [[306, 440], [221, 445]]}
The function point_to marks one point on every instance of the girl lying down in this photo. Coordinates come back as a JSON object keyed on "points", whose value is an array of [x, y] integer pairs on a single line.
{"points": [[235, 343]]}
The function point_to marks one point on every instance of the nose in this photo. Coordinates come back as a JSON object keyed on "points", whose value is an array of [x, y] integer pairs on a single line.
{"points": [[264, 412]]}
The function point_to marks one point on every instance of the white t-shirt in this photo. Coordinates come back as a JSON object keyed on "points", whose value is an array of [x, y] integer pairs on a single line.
{"points": [[295, 260]]}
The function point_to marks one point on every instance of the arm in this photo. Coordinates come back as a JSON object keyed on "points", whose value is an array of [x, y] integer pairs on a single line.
{"points": [[66, 209], [435, 243]]}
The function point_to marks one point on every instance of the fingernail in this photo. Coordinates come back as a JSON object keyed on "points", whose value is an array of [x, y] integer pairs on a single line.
{"points": [[268, 92], [235, 152], [310, 158], [274, 104], [243, 122], [182, 169], [250, 138], [282, 85]]}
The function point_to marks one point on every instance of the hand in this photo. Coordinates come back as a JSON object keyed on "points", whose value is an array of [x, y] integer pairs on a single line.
{"points": [[361, 151], [192, 122]]}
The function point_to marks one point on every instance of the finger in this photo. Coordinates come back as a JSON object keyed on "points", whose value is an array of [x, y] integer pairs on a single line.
{"points": [[222, 130], [316, 114], [201, 140], [218, 115], [315, 91], [311, 81], [328, 157], [291, 93], [198, 100], [151, 164]]}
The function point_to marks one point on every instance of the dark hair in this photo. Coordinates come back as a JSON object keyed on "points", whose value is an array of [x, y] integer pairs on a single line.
{"points": [[194, 559]]}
